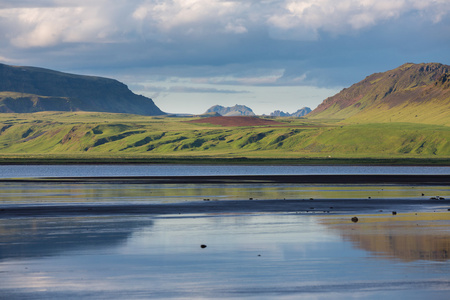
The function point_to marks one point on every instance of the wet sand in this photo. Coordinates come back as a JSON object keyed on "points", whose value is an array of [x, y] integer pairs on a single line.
{"points": [[317, 206], [425, 179], [322, 206]]}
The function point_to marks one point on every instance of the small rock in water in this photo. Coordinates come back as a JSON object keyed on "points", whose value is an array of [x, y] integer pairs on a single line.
{"points": [[202, 246], [354, 219], [394, 213]]}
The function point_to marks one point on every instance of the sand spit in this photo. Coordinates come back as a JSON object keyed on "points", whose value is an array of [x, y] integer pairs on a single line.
{"points": [[246, 179]]}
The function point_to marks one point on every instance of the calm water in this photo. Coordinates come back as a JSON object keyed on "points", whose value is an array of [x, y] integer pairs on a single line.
{"points": [[104, 194], [21, 171], [248, 256], [272, 256]]}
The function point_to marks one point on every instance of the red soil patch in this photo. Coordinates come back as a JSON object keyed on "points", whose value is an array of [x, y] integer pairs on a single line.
{"points": [[236, 121]]}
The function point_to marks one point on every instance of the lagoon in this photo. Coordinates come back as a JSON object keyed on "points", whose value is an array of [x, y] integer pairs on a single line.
{"points": [[31, 171], [247, 256], [307, 248]]}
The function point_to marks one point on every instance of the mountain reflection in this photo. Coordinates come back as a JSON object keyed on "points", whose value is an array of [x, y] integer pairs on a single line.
{"points": [[409, 237], [39, 237]]}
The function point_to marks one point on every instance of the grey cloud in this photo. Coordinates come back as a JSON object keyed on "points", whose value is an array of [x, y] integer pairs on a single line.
{"points": [[228, 43], [184, 89]]}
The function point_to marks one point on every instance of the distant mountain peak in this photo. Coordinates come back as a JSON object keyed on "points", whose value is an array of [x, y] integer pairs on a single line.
{"points": [[299, 113], [237, 110]]}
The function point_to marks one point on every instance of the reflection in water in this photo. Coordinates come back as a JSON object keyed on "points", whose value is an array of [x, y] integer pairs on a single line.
{"points": [[409, 237], [48, 193], [40, 237], [248, 256]]}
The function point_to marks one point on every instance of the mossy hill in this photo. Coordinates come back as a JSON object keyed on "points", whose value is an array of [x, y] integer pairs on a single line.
{"points": [[414, 93], [30, 89]]}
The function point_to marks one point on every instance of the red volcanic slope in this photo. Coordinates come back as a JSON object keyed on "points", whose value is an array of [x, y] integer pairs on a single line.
{"points": [[236, 121]]}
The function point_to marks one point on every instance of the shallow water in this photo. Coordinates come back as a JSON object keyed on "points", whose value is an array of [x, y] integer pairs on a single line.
{"points": [[248, 256], [97, 193], [29, 171]]}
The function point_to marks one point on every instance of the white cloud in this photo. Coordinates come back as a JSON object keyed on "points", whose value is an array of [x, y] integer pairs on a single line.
{"points": [[44, 23], [49, 26], [192, 17], [339, 17]]}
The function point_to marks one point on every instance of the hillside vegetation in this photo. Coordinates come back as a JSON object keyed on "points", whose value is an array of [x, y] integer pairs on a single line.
{"points": [[414, 93], [102, 134]]}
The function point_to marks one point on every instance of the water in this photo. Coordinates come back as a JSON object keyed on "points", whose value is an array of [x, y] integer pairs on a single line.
{"points": [[251, 256], [108, 194], [30, 171], [248, 256]]}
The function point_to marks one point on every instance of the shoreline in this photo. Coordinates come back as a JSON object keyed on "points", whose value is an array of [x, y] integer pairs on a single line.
{"points": [[36, 159], [424, 179], [299, 206]]}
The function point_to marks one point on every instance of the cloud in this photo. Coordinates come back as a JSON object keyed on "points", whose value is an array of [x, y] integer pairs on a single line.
{"points": [[143, 87], [226, 42], [310, 17], [48, 23]]}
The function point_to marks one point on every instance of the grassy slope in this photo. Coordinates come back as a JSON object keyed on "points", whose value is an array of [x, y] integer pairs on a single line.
{"points": [[93, 135], [411, 93]]}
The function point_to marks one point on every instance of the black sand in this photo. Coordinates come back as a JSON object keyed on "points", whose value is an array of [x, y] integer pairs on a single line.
{"points": [[237, 179]]}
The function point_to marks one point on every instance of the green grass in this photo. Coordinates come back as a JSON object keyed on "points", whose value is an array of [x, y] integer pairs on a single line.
{"points": [[104, 137]]}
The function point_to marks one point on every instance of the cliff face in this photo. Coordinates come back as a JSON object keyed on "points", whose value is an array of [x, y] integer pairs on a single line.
{"points": [[30, 89], [409, 93]]}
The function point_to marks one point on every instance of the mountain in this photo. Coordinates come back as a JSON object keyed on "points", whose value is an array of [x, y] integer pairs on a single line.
{"points": [[31, 89], [279, 113], [418, 93], [299, 113], [237, 110]]}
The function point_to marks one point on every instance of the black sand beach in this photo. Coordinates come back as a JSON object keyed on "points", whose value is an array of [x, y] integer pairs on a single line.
{"points": [[426, 179]]}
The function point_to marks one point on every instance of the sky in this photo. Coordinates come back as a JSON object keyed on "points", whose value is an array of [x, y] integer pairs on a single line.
{"points": [[188, 55]]}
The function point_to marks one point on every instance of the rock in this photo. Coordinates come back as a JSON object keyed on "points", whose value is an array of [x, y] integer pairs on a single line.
{"points": [[354, 219]]}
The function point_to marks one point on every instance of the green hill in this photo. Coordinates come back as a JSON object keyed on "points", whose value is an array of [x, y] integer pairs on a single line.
{"points": [[415, 93], [85, 135], [30, 89]]}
